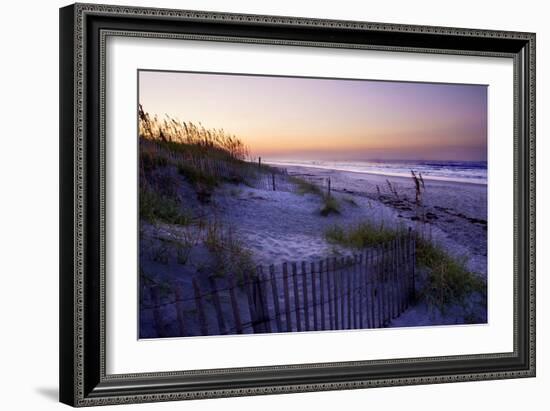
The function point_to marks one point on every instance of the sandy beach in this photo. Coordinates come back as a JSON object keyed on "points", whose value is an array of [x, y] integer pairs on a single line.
{"points": [[455, 211], [282, 226]]}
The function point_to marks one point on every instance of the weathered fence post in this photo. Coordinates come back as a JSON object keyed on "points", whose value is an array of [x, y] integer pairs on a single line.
{"points": [[251, 309], [369, 288], [350, 292], [157, 314], [406, 263], [402, 272], [413, 271], [234, 304], [341, 294], [258, 306], [273, 180], [359, 287], [306, 301], [356, 289], [411, 255], [336, 281], [387, 284], [389, 272], [387, 307], [180, 309], [296, 297], [200, 309], [217, 305], [287, 298], [259, 162], [393, 289], [275, 298], [328, 188], [322, 295], [314, 297], [398, 275], [260, 300], [342, 281], [378, 290]]}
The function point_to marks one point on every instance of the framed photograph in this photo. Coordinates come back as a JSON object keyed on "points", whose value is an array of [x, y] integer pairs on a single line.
{"points": [[261, 204]]}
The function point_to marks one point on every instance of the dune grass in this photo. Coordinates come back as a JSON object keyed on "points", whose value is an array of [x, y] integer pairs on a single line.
{"points": [[363, 235], [329, 206], [304, 186], [449, 281], [231, 254], [155, 207], [181, 136], [205, 157], [197, 177]]}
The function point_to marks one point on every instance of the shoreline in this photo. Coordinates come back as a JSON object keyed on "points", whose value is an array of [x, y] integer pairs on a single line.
{"points": [[373, 173]]}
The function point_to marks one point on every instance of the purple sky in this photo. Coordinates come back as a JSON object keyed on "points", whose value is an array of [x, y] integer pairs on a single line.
{"points": [[301, 118]]}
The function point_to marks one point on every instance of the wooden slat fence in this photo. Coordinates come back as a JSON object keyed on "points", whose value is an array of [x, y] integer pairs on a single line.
{"points": [[365, 290]]}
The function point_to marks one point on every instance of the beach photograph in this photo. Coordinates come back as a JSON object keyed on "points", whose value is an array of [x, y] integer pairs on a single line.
{"points": [[278, 204]]}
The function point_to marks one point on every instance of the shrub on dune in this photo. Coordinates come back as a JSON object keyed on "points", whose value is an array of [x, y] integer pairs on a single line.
{"points": [[330, 206]]}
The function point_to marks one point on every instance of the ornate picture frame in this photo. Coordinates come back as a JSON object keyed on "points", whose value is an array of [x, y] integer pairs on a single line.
{"points": [[84, 30]]}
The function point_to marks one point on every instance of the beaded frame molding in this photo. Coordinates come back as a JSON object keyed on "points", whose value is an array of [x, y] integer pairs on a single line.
{"points": [[83, 32]]}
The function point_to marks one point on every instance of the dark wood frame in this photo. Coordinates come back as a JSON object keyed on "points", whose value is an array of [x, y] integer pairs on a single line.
{"points": [[83, 29]]}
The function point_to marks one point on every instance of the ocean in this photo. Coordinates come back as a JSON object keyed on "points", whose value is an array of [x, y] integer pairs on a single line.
{"points": [[460, 171]]}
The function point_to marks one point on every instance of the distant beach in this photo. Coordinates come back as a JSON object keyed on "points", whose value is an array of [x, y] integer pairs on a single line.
{"points": [[474, 172]]}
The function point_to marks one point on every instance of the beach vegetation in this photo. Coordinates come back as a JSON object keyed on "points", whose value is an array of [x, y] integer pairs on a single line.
{"points": [[392, 189], [157, 207], [360, 236], [329, 205], [149, 162], [204, 157], [187, 240], [448, 279], [187, 137], [196, 176], [305, 187], [231, 254]]}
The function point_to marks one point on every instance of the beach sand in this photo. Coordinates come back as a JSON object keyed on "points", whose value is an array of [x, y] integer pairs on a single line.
{"points": [[456, 212], [282, 226]]}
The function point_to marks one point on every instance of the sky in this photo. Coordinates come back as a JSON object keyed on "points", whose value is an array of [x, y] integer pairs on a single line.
{"points": [[328, 119]]}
